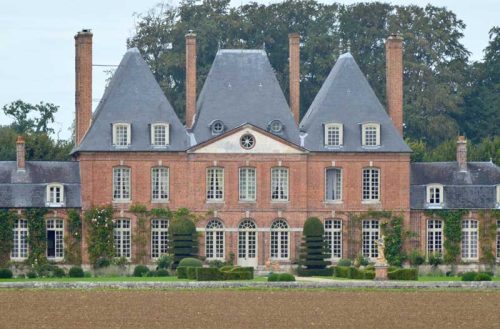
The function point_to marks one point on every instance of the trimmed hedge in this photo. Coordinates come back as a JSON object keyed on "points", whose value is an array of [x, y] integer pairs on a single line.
{"points": [[181, 272], [475, 276], [282, 277], [191, 272], [342, 271], [141, 270], [316, 272], [237, 275], [208, 274], [76, 272], [5, 273], [403, 274], [190, 262], [344, 262], [354, 273]]}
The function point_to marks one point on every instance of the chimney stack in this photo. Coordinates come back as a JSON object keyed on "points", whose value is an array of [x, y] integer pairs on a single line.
{"points": [[462, 153], [394, 79], [83, 83], [190, 78], [21, 153], [294, 76]]}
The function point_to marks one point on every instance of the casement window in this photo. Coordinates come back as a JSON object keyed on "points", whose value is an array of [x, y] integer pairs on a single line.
{"points": [[121, 134], [123, 237], [248, 184], [159, 184], [333, 184], [280, 240], [470, 239], [160, 134], [247, 239], [279, 184], [435, 196], [214, 240], [434, 237], [55, 195], [215, 184], [121, 184], [370, 134], [371, 233], [333, 238], [159, 237], [334, 134], [20, 243], [371, 184], [55, 239], [498, 241]]}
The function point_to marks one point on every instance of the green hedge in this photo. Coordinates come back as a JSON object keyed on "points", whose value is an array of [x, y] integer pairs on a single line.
{"points": [[352, 272], [316, 272], [475, 276], [5, 273], [236, 275], [76, 272], [208, 274], [141, 270], [190, 262], [282, 277], [403, 274], [191, 272], [181, 272], [342, 271]]}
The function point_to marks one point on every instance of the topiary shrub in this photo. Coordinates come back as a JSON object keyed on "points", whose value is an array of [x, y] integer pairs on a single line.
{"points": [[468, 276], [483, 276], [162, 273], [313, 249], [208, 274], [273, 277], [76, 272], [191, 273], [183, 242], [403, 274], [140, 271], [316, 272], [342, 271], [58, 272], [181, 272], [369, 275], [5, 273], [31, 275], [191, 262], [286, 277], [344, 262], [226, 268], [475, 276], [235, 275]]}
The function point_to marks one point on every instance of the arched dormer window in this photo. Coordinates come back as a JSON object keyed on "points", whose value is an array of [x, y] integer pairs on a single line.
{"points": [[370, 134], [160, 134], [435, 195], [334, 134], [55, 195]]}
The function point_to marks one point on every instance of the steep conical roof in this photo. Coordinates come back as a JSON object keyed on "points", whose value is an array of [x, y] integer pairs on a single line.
{"points": [[133, 96], [347, 98]]}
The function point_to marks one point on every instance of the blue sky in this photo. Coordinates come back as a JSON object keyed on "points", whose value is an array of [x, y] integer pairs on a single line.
{"points": [[37, 45]]}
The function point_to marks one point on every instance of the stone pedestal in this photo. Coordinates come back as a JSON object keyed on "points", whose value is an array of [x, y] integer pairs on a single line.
{"points": [[381, 272]]}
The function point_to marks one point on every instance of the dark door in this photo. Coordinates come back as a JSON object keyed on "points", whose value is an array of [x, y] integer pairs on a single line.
{"points": [[51, 243]]}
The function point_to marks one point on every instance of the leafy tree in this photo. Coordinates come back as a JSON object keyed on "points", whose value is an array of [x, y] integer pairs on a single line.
{"points": [[30, 118]]}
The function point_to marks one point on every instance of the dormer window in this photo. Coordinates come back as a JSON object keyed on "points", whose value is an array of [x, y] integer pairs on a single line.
{"points": [[160, 134], [121, 134], [217, 127], [334, 134], [55, 195], [434, 196], [275, 126], [370, 134]]}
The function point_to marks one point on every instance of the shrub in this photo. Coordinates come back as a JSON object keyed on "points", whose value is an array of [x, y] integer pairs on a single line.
{"points": [[76, 272], [369, 275], [183, 239], [164, 262], [31, 275], [208, 274], [190, 262], [237, 275], [181, 272], [162, 272], [344, 262], [21, 276], [141, 270], [87, 274], [483, 276], [58, 272], [5, 273], [226, 268], [120, 261], [286, 277], [416, 258], [102, 262], [403, 274], [362, 261], [273, 277], [313, 250], [355, 273], [475, 276], [217, 264], [435, 259], [316, 272], [191, 272], [342, 271]]}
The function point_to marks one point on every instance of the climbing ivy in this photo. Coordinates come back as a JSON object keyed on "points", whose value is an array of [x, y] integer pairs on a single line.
{"points": [[140, 237], [100, 241], [452, 230], [7, 219], [487, 235], [37, 237], [73, 252]]}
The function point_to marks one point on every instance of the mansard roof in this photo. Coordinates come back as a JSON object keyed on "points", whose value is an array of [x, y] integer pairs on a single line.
{"points": [[133, 96], [240, 88], [471, 189], [26, 189], [347, 98]]}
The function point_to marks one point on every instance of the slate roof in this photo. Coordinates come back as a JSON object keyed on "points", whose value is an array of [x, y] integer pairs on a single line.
{"points": [[474, 189], [347, 98], [240, 88], [133, 96], [28, 189]]}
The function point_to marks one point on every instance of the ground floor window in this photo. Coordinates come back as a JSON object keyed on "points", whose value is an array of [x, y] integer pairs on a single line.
{"points": [[434, 237], [20, 240], [214, 240], [55, 239], [469, 239], [333, 238], [280, 237], [122, 236], [159, 237], [247, 239], [371, 233]]}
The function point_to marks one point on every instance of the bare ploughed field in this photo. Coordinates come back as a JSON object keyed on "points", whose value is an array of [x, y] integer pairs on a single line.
{"points": [[248, 309]]}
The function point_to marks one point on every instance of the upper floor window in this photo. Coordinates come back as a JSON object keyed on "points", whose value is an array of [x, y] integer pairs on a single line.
{"points": [[19, 249], [371, 184], [434, 195], [279, 184], [121, 184], [371, 134], [55, 195], [333, 184], [121, 134], [159, 184], [215, 184], [217, 127], [160, 134], [333, 134], [248, 184]]}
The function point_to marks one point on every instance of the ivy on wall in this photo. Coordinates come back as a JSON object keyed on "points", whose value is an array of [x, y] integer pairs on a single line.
{"points": [[452, 220], [37, 237], [140, 237], [73, 252], [7, 219], [487, 235], [100, 241]]}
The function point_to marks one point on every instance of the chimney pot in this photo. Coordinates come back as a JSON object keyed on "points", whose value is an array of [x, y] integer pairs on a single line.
{"points": [[394, 80], [462, 153], [190, 78], [294, 75], [21, 153]]}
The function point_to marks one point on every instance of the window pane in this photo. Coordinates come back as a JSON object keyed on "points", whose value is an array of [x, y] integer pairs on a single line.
{"points": [[159, 237], [371, 184], [121, 183], [215, 184], [333, 184], [159, 184], [370, 235], [279, 184], [247, 184]]}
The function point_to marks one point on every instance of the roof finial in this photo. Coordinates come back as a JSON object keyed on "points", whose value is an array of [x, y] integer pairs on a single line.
{"points": [[348, 46]]}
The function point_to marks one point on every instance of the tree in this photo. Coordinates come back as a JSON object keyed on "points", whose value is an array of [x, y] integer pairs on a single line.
{"points": [[183, 239], [313, 250], [30, 118]]}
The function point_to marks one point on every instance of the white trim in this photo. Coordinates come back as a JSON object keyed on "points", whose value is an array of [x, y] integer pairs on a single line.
{"points": [[371, 198], [212, 187], [52, 224], [329, 235], [122, 187], [280, 184], [162, 236], [20, 226], [115, 134], [364, 128], [373, 234], [51, 196], [340, 128], [433, 192], [167, 134], [123, 242], [211, 233], [470, 234], [434, 233], [161, 191], [279, 236], [339, 199], [498, 196], [240, 199]]}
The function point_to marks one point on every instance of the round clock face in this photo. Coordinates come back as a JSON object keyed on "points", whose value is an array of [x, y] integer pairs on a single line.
{"points": [[247, 141]]}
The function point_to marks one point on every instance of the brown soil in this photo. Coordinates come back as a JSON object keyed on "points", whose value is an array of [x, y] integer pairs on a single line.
{"points": [[248, 309]]}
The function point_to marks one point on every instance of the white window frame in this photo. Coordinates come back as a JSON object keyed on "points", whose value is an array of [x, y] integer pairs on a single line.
{"points": [[370, 235], [372, 194], [20, 244], [435, 191], [338, 199], [215, 184], [122, 233], [122, 187], [154, 141], [247, 239], [470, 240], [247, 184], [333, 238], [162, 183], [435, 241], [330, 142], [364, 129], [159, 237], [52, 190], [56, 225], [127, 127], [498, 197], [280, 240], [215, 240], [280, 178]]}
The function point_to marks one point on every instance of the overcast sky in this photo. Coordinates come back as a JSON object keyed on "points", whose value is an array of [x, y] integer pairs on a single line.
{"points": [[37, 45]]}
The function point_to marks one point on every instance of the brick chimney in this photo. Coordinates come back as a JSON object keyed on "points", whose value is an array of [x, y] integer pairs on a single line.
{"points": [[83, 83], [294, 65], [190, 78], [394, 79], [21, 153], [462, 153]]}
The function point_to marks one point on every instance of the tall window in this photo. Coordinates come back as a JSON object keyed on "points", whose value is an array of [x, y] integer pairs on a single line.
{"points": [[371, 184], [280, 234], [498, 241], [121, 134], [20, 243], [55, 239], [333, 186], [371, 134], [333, 238], [214, 240], [279, 184], [247, 184], [333, 134], [121, 184], [469, 239], [159, 237], [215, 184], [122, 235], [55, 195], [434, 237], [434, 195], [160, 134], [159, 184], [247, 239], [371, 233]]}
